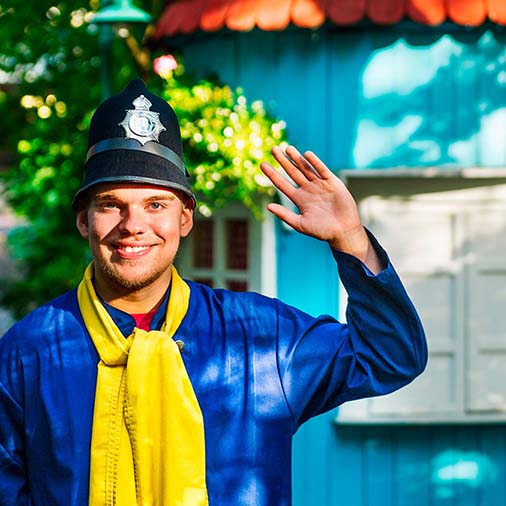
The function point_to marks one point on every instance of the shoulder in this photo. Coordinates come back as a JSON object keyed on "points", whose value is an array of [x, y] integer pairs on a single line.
{"points": [[251, 308], [221, 297], [45, 321]]}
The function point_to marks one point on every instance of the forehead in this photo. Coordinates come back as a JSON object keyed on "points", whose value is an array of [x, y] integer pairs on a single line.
{"points": [[132, 191]]}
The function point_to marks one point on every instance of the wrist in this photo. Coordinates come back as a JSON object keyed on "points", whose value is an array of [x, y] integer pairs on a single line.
{"points": [[356, 243], [353, 242]]}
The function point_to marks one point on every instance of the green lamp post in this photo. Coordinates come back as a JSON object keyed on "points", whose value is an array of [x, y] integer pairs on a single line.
{"points": [[115, 12], [121, 11]]}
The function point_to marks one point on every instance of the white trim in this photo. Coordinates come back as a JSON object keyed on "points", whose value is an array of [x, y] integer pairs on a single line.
{"points": [[425, 172], [268, 271], [367, 420]]}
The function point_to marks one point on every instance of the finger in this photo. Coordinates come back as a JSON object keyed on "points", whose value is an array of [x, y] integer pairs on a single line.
{"points": [[300, 166], [289, 217], [302, 163], [289, 166], [278, 180], [323, 171]]}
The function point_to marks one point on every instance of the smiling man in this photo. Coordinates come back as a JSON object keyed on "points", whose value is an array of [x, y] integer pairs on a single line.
{"points": [[134, 233], [140, 388]]}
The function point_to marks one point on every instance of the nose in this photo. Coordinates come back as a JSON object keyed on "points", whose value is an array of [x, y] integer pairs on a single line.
{"points": [[132, 221]]}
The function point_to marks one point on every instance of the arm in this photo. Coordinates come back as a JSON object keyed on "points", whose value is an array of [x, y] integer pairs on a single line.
{"points": [[327, 209], [13, 479], [382, 347], [324, 363], [13, 483]]}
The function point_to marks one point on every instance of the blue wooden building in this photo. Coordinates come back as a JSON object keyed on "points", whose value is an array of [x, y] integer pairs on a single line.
{"points": [[406, 100]]}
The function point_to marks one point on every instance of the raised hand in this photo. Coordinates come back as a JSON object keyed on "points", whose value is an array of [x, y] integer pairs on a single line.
{"points": [[327, 210]]}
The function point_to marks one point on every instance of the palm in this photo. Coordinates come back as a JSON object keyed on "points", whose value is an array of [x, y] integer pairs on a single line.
{"points": [[327, 210]]}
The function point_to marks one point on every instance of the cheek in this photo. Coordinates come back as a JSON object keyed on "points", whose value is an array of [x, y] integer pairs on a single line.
{"points": [[102, 228], [168, 230], [168, 227]]}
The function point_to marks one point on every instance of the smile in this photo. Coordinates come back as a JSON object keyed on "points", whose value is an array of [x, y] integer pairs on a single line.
{"points": [[132, 251]]}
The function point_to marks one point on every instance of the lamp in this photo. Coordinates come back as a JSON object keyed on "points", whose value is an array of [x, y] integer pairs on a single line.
{"points": [[121, 11], [115, 12]]}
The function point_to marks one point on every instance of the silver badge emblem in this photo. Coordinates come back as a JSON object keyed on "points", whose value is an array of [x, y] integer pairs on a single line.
{"points": [[141, 123]]}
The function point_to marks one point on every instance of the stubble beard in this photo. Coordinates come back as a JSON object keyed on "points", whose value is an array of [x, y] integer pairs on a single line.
{"points": [[114, 277]]}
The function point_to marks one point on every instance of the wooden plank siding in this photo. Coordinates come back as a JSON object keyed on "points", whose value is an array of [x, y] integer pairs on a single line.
{"points": [[399, 466], [376, 97]]}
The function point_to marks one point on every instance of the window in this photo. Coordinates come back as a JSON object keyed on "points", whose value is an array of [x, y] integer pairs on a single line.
{"points": [[446, 237], [231, 250]]}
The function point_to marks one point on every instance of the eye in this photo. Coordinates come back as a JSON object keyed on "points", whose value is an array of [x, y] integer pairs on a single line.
{"points": [[107, 205], [155, 205]]}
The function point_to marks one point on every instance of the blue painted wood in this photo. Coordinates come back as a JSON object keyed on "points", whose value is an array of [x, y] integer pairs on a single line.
{"points": [[348, 472], [492, 445], [309, 482], [378, 452], [376, 98], [443, 459], [412, 467], [415, 466], [373, 99]]}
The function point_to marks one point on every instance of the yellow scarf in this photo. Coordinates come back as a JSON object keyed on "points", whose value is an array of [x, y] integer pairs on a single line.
{"points": [[147, 444]]}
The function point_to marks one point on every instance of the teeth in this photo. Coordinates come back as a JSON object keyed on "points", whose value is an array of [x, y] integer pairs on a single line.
{"points": [[134, 249]]}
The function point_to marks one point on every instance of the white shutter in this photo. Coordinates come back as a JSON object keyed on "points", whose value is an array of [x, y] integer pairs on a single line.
{"points": [[446, 237], [421, 239], [486, 377]]}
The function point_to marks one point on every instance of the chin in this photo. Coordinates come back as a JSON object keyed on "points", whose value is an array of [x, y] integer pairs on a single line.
{"points": [[129, 281], [137, 282]]}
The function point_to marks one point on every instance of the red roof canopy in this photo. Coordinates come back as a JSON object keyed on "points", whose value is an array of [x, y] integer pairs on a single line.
{"points": [[187, 16]]}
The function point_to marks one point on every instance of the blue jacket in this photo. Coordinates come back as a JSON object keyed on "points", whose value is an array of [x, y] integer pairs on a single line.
{"points": [[259, 368]]}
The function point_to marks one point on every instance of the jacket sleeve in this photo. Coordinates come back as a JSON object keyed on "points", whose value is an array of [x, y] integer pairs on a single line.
{"points": [[13, 479], [381, 347]]}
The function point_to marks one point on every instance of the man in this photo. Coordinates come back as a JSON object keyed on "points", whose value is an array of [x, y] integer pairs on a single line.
{"points": [[139, 388]]}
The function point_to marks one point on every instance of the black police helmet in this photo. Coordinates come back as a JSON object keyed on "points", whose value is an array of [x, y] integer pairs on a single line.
{"points": [[134, 137]]}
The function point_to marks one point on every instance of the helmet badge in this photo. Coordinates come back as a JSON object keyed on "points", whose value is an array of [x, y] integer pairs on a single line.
{"points": [[141, 123]]}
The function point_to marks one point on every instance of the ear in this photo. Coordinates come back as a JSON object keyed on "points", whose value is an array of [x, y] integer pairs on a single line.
{"points": [[186, 220], [82, 223]]}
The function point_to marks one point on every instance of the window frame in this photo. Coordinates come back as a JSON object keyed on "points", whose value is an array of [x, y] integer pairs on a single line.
{"points": [[261, 274]]}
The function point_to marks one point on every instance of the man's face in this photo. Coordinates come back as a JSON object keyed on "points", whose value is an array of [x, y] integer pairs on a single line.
{"points": [[134, 232]]}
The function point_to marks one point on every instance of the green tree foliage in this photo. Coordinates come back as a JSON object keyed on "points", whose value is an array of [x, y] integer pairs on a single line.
{"points": [[225, 141], [49, 52]]}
